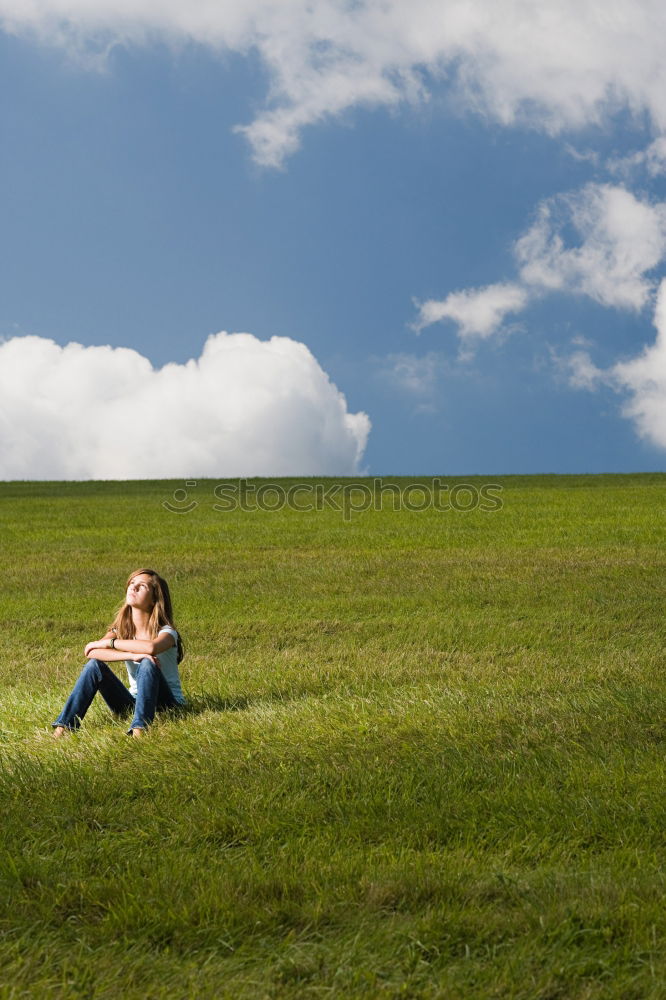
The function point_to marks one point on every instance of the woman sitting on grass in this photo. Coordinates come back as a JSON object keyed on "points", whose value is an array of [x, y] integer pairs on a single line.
{"points": [[144, 628]]}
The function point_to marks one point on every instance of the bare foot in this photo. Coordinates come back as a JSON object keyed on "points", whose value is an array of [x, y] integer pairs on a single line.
{"points": [[60, 731], [137, 732]]}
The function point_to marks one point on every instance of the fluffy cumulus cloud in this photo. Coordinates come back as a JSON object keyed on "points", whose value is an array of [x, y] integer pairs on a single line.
{"points": [[601, 241], [478, 312], [244, 408], [642, 380], [558, 64], [621, 239]]}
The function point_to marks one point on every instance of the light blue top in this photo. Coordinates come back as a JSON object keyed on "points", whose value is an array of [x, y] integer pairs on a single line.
{"points": [[168, 661]]}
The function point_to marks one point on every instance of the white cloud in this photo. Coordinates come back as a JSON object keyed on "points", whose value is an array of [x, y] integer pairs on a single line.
{"points": [[556, 64], [621, 239], [479, 312], [244, 408], [655, 157], [644, 378], [600, 241], [583, 373], [652, 159]]}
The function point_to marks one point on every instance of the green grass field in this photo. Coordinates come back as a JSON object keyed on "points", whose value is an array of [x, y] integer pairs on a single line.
{"points": [[423, 755]]}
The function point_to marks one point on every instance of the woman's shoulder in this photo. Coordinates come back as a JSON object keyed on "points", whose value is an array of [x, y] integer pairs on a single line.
{"points": [[168, 628]]}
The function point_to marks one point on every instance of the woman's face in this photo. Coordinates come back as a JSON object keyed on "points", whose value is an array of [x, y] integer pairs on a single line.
{"points": [[140, 592]]}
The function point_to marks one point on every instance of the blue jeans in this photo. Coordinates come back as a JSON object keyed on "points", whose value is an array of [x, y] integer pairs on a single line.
{"points": [[152, 692]]}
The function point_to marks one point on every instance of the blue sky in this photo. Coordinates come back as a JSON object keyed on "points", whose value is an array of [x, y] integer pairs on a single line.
{"points": [[136, 215]]}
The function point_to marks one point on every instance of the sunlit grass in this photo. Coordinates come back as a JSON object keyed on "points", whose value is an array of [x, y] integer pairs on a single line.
{"points": [[423, 754]]}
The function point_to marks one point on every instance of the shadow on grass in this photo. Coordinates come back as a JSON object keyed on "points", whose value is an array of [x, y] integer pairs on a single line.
{"points": [[199, 703]]}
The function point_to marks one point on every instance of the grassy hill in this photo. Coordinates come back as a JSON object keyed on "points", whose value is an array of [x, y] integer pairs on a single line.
{"points": [[423, 755]]}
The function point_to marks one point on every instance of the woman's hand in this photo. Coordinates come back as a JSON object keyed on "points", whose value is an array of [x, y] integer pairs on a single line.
{"points": [[97, 644]]}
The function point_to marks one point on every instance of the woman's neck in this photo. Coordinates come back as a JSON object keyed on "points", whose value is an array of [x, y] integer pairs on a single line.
{"points": [[140, 620]]}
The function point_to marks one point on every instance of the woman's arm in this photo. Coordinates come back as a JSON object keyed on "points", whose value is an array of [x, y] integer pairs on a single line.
{"points": [[108, 655], [102, 643], [102, 649], [150, 647], [106, 649]]}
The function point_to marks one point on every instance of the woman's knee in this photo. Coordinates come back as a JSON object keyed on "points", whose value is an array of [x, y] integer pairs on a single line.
{"points": [[94, 667], [147, 666]]}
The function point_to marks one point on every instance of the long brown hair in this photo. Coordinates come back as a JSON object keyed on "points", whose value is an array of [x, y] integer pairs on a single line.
{"points": [[161, 614]]}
